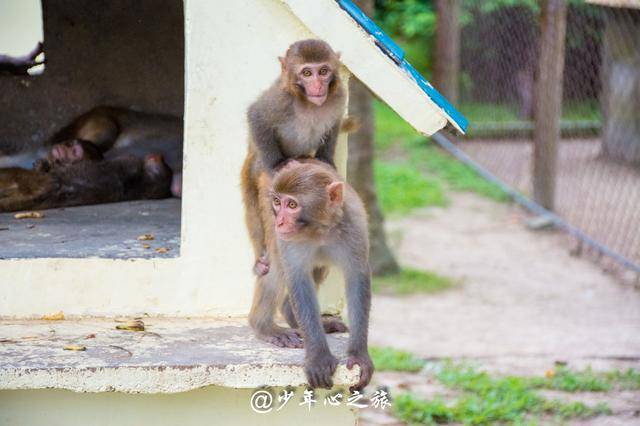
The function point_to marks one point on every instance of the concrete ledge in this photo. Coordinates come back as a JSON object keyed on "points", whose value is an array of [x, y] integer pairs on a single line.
{"points": [[171, 355]]}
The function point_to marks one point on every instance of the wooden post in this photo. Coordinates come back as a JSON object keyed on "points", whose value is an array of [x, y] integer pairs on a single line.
{"points": [[446, 71], [548, 100]]}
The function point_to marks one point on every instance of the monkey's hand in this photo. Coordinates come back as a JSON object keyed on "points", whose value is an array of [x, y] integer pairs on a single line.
{"points": [[261, 266], [366, 369], [319, 370]]}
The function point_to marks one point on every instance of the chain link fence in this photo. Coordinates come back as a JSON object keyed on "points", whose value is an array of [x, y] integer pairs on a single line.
{"points": [[597, 184]]}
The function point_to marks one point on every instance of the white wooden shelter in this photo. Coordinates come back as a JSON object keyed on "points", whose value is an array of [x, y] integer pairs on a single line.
{"points": [[231, 57]]}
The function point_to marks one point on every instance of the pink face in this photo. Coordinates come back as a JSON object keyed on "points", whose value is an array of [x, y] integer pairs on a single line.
{"points": [[315, 78], [287, 209], [68, 152]]}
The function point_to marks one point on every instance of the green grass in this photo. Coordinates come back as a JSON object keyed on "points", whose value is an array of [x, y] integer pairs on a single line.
{"points": [[423, 159], [410, 281], [567, 380], [389, 359], [486, 400], [627, 380], [402, 188], [477, 112]]}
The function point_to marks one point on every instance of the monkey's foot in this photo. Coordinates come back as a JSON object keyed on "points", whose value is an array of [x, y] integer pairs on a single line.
{"points": [[366, 369], [319, 370], [333, 324], [284, 338], [261, 266]]}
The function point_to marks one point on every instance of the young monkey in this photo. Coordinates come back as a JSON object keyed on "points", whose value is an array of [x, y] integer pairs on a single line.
{"points": [[316, 220], [298, 116]]}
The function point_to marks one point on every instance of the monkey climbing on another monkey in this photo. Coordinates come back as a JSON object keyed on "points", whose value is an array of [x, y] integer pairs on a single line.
{"points": [[314, 220], [300, 115]]}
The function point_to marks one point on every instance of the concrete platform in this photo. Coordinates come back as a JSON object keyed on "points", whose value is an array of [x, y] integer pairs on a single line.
{"points": [[104, 230], [171, 355]]}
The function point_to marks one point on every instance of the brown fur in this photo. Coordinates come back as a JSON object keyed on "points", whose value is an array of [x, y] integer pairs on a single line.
{"points": [[86, 182], [334, 233], [285, 125]]}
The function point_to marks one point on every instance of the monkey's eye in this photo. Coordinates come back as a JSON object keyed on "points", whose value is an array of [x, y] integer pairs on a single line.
{"points": [[292, 204], [324, 71], [276, 201], [306, 72]]}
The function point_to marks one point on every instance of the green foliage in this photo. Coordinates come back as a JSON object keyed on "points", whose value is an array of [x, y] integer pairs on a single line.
{"points": [[410, 281], [487, 400], [402, 188], [389, 359]]}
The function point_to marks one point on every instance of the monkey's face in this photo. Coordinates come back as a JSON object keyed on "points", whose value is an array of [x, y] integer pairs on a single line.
{"points": [[287, 210], [314, 80], [67, 152]]}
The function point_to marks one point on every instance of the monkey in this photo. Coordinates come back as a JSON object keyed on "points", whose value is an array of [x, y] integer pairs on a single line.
{"points": [[299, 115], [122, 131], [315, 220], [113, 132], [85, 182]]}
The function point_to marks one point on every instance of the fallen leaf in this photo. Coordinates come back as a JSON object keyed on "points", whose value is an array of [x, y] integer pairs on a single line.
{"points": [[29, 215], [75, 348], [133, 325], [146, 237], [58, 316], [162, 250], [146, 246], [549, 374], [30, 226], [90, 336]]}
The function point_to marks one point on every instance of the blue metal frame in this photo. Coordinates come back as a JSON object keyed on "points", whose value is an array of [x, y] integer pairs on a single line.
{"points": [[395, 52]]}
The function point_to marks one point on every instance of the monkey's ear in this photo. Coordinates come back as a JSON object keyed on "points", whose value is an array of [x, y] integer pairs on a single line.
{"points": [[283, 64], [338, 55], [335, 191]]}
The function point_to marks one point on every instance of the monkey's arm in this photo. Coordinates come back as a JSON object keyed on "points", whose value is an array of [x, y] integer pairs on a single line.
{"points": [[265, 140], [327, 150]]}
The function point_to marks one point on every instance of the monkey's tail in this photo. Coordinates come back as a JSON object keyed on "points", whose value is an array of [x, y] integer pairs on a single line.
{"points": [[350, 124]]}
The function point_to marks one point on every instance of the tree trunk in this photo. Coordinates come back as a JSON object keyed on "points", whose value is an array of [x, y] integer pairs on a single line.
{"points": [[621, 87], [446, 71], [548, 100], [360, 168]]}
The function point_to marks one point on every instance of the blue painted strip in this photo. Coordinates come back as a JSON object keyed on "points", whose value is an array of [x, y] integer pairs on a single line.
{"points": [[435, 96], [385, 42], [396, 53]]}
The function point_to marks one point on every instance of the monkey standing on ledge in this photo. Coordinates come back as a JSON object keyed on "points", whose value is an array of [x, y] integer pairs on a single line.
{"points": [[315, 220], [298, 116]]}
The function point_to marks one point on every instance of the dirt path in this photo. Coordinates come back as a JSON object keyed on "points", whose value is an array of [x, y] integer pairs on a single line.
{"points": [[523, 301]]}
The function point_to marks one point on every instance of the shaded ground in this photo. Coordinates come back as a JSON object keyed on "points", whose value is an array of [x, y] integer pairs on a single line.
{"points": [[104, 230], [523, 302], [599, 196]]}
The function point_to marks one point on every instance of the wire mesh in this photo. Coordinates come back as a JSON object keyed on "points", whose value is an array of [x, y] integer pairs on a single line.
{"points": [[597, 186]]}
